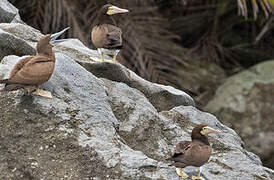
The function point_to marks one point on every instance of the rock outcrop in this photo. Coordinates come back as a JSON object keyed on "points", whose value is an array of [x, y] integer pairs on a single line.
{"points": [[245, 103], [8, 13], [105, 122]]}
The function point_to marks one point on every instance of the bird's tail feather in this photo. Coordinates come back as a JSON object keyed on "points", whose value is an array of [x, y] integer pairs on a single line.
{"points": [[12, 87], [3, 81], [169, 159]]}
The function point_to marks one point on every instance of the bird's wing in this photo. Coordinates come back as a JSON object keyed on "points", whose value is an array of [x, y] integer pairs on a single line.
{"points": [[33, 71], [195, 155], [181, 148], [19, 65], [106, 36], [113, 37]]}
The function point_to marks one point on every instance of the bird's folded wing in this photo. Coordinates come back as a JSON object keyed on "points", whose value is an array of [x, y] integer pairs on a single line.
{"points": [[19, 65], [181, 147], [34, 71], [113, 40], [113, 36]]}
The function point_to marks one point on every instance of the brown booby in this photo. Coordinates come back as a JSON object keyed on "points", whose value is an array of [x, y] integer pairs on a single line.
{"points": [[193, 153], [30, 72], [105, 35]]}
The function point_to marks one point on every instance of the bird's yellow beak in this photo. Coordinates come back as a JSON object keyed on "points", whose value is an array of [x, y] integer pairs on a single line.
{"points": [[116, 10], [207, 130]]}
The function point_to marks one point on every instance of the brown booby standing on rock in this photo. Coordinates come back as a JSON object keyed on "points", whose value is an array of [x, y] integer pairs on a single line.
{"points": [[30, 72], [105, 36], [193, 153]]}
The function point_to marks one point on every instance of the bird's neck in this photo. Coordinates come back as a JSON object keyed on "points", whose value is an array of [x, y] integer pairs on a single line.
{"points": [[49, 54], [45, 50], [201, 138], [105, 19]]}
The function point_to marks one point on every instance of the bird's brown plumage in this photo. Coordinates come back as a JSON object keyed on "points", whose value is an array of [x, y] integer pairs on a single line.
{"points": [[105, 35], [33, 70], [192, 153]]}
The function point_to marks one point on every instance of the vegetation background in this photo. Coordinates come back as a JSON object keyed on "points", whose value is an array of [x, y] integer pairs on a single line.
{"points": [[192, 45]]}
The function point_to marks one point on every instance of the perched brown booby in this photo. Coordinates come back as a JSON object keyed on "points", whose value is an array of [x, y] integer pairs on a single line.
{"points": [[193, 153], [30, 72], [105, 35]]}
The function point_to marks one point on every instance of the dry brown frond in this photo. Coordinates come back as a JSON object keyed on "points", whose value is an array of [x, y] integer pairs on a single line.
{"points": [[265, 5]]}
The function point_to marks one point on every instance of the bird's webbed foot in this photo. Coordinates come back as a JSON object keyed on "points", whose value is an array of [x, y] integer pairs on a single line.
{"points": [[43, 93], [114, 58], [197, 178], [181, 173], [96, 59]]}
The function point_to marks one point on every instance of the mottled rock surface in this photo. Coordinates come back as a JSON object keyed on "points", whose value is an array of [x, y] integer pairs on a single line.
{"points": [[102, 127], [245, 103], [8, 13], [104, 122]]}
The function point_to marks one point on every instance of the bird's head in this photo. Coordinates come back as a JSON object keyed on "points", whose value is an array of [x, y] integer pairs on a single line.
{"points": [[46, 43], [110, 9], [204, 130], [201, 130]]}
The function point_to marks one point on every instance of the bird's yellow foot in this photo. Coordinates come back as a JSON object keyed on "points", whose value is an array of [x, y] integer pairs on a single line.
{"points": [[107, 60], [197, 178], [101, 60], [102, 56], [43, 93], [182, 174], [114, 58], [96, 59]]}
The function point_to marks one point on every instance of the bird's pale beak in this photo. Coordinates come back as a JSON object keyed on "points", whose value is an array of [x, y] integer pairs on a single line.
{"points": [[208, 130], [116, 10], [53, 37]]}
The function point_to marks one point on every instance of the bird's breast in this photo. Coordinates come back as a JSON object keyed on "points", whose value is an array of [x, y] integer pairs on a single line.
{"points": [[200, 155]]}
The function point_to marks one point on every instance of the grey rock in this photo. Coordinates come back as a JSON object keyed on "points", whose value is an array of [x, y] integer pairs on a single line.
{"points": [[22, 31], [8, 13], [12, 45], [6, 66], [105, 122], [245, 102], [162, 97], [76, 49]]}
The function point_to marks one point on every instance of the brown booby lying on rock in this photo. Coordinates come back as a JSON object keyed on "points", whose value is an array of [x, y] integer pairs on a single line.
{"points": [[193, 153], [30, 72], [105, 36]]}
